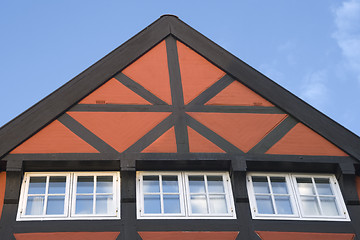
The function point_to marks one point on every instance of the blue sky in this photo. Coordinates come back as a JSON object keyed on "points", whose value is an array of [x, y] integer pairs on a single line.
{"points": [[312, 48]]}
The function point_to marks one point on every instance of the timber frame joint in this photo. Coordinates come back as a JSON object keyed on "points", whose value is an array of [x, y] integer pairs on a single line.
{"points": [[238, 178], [128, 165], [238, 164], [14, 166], [346, 175], [14, 174]]}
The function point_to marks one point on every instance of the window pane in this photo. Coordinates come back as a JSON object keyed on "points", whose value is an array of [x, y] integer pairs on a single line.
{"points": [[260, 185], [104, 184], [35, 205], [264, 205], [55, 205], [85, 184], [329, 207], [323, 186], [84, 205], [170, 184], [197, 184], [218, 204], [152, 204], [37, 185], [283, 205], [198, 204], [278, 185], [305, 186], [104, 205], [171, 204], [310, 206], [151, 184], [215, 184], [57, 184]]}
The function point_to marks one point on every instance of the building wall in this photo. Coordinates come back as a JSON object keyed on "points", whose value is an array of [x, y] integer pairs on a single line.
{"points": [[174, 110]]}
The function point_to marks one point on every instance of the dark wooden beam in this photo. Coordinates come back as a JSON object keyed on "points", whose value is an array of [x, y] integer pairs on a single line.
{"points": [[181, 133], [48, 109], [267, 88]]}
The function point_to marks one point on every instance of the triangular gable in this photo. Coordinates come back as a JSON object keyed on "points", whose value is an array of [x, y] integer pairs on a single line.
{"points": [[198, 143], [236, 94], [244, 130], [301, 140], [119, 129], [197, 74], [114, 92], [55, 138], [166, 143], [151, 71], [210, 96]]}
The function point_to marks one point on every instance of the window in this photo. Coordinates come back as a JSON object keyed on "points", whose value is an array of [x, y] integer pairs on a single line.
{"points": [[294, 196], [69, 195], [184, 195]]}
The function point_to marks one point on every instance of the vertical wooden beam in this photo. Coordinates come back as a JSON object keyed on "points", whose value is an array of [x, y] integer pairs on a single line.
{"points": [[241, 199], [128, 204], [347, 181], [14, 174], [181, 134]]}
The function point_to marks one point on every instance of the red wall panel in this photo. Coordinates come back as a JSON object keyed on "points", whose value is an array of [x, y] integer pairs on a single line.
{"points": [[265, 235], [67, 236], [2, 190]]}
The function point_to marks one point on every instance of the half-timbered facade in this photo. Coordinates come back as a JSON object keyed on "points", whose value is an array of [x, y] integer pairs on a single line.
{"points": [[171, 137]]}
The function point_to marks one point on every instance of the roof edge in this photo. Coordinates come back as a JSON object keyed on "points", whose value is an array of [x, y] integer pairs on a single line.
{"points": [[39, 115], [50, 107], [282, 98]]}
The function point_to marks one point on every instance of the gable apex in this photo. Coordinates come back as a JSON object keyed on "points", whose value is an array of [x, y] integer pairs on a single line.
{"points": [[60, 101]]}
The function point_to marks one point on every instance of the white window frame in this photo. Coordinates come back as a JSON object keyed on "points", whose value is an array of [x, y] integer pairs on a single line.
{"points": [[141, 199], [340, 204], [24, 196], [185, 207], [298, 213], [70, 194]]}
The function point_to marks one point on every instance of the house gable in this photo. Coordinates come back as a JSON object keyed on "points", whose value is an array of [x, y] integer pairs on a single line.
{"points": [[175, 94], [147, 56], [171, 100]]}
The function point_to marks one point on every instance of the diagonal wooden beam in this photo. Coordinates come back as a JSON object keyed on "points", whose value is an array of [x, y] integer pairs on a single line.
{"points": [[212, 136], [86, 135], [152, 135], [212, 91], [138, 89], [274, 136]]}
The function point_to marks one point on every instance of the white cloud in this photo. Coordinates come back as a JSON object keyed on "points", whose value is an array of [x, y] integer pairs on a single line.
{"points": [[347, 34], [314, 89], [287, 49], [270, 71], [284, 57], [287, 46]]}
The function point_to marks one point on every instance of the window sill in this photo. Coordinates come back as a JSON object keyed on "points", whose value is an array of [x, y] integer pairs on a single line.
{"points": [[67, 219], [302, 219], [185, 218]]}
